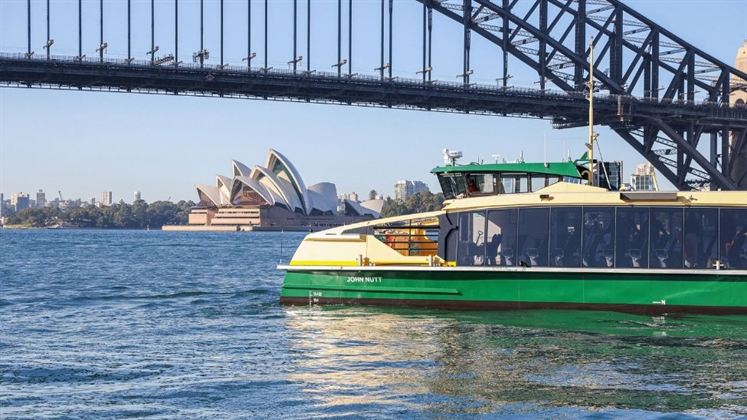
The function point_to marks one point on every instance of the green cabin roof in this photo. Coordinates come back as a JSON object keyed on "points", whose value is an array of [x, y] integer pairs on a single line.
{"points": [[551, 168]]}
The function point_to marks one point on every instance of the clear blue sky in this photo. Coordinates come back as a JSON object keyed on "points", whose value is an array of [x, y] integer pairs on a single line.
{"points": [[82, 143]]}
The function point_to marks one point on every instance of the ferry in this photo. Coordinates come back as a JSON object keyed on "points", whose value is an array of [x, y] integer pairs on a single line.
{"points": [[517, 235]]}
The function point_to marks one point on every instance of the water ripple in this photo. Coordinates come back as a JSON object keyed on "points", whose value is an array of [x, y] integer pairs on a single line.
{"points": [[117, 324]]}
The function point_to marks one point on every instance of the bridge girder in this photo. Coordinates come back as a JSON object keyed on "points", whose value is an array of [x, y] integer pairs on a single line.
{"points": [[640, 55]]}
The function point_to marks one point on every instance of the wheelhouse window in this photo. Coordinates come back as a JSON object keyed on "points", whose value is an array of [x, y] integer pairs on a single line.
{"points": [[479, 184], [452, 184], [515, 183]]}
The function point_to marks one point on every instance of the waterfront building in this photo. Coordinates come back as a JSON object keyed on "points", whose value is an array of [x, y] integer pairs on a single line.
{"points": [[137, 196], [19, 201], [106, 198], [406, 188], [273, 196], [644, 178], [41, 199], [2, 205]]}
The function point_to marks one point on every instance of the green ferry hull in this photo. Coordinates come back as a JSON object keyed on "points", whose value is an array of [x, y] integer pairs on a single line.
{"points": [[647, 291]]}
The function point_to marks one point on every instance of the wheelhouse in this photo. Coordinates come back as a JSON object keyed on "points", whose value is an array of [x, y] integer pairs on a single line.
{"points": [[476, 180]]}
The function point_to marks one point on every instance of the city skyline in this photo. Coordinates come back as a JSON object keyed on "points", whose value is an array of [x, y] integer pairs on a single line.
{"points": [[83, 143]]}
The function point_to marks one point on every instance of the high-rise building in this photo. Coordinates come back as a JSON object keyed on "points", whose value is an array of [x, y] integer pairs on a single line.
{"points": [[2, 205], [137, 196], [738, 96], [19, 201], [106, 198], [405, 188], [41, 199], [644, 178]]}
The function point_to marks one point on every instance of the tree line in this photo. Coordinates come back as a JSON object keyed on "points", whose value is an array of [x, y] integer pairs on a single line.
{"points": [[138, 215], [416, 203]]}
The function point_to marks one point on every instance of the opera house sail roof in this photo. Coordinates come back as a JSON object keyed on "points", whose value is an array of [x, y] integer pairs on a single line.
{"points": [[278, 184]]}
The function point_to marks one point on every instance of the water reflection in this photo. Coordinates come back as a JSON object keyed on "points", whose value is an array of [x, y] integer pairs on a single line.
{"points": [[553, 363]]}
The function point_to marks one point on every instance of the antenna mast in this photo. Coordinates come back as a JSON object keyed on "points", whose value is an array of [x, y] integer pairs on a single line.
{"points": [[592, 136]]}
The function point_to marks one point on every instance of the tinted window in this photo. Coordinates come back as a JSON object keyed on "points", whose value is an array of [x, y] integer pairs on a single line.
{"points": [[534, 236], [665, 238], [700, 246], [471, 246], [565, 239], [632, 237], [733, 252], [598, 244], [501, 248]]}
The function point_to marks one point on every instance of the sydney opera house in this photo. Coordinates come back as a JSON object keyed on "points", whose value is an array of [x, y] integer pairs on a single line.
{"points": [[273, 197]]}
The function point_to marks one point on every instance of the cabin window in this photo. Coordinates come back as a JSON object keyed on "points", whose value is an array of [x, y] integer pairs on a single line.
{"points": [[604, 237], [733, 238], [632, 237], [665, 238], [534, 236], [471, 246], [502, 240], [598, 239], [565, 238], [701, 237]]}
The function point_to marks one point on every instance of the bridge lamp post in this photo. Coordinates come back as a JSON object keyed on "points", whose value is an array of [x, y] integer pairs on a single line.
{"points": [[48, 46], [295, 62], [542, 83], [466, 76], [153, 54], [101, 49], [425, 71], [382, 68], [650, 93], [504, 80], [339, 65], [201, 56], [249, 59]]}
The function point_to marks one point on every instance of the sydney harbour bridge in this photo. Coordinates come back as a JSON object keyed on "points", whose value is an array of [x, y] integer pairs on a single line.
{"points": [[672, 102]]}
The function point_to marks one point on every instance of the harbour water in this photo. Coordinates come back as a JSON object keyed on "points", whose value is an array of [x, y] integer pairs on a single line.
{"points": [[118, 324]]}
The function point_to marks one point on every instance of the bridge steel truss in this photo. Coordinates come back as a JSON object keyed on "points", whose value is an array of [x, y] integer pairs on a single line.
{"points": [[652, 78], [633, 55]]}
